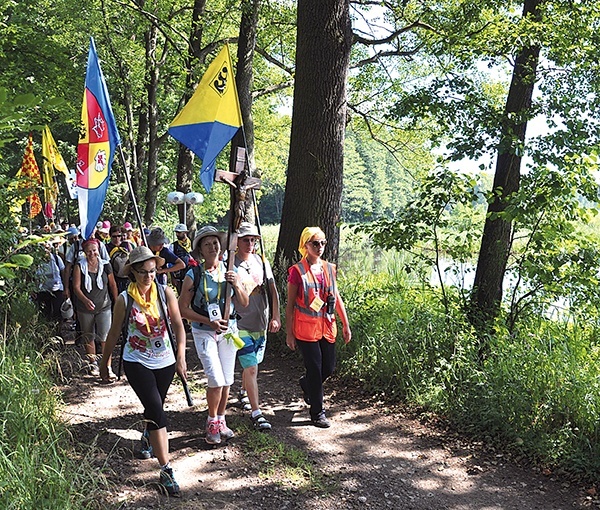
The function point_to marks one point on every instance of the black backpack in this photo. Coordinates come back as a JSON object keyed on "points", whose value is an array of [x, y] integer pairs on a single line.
{"points": [[198, 273]]}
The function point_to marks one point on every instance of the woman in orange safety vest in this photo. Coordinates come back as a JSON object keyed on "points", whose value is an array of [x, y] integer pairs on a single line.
{"points": [[313, 301]]}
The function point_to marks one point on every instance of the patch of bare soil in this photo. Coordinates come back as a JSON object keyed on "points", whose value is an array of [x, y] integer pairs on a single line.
{"points": [[374, 456]]}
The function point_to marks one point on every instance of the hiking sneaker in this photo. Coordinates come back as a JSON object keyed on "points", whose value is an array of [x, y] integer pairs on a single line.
{"points": [[321, 421], [244, 400], [213, 433], [146, 451], [94, 369], [167, 480], [304, 387], [224, 431], [260, 423]]}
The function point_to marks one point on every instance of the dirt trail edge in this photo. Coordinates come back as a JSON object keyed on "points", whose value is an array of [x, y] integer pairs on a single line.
{"points": [[372, 457]]}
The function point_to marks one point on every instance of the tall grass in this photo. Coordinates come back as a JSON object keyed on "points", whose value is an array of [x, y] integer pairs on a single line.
{"points": [[39, 469], [538, 391]]}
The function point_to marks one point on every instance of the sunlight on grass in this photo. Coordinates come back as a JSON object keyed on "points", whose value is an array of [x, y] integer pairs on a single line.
{"points": [[282, 463]]}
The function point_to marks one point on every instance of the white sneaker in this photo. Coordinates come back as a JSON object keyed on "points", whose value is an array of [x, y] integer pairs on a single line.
{"points": [[224, 431], [94, 370], [213, 435]]}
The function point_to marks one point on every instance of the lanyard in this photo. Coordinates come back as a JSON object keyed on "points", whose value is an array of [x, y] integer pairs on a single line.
{"points": [[317, 284], [218, 284]]}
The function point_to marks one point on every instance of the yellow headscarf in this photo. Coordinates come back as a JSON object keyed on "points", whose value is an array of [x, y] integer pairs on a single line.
{"points": [[306, 235]]}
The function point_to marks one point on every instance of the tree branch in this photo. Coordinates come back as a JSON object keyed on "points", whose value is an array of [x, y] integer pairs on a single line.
{"points": [[273, 88], [274, 61]]}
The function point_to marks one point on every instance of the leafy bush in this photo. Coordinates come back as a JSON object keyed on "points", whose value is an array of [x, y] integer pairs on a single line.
{"points": [[538, 391]]}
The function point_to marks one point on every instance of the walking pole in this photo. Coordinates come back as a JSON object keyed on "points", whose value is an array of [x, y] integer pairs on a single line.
{"points": [[186, 390]]}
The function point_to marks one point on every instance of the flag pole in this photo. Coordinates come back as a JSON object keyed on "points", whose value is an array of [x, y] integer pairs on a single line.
{"points": [[132, 195]]}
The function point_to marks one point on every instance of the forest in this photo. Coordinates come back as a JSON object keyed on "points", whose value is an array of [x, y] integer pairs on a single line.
{"points": [[453, 138]]}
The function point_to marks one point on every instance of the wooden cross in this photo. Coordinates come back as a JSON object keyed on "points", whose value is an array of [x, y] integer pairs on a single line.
{"points": [[241, 183]]}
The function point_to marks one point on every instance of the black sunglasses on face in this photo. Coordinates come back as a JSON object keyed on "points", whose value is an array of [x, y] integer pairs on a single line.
{"points": [[318, 244]]}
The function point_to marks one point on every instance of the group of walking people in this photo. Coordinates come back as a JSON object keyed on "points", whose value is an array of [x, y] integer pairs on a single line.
{"points": [[150, 316]]}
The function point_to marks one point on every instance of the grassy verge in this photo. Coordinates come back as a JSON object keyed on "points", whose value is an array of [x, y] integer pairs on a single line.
{"points": [[538, 392], [39, 467]]}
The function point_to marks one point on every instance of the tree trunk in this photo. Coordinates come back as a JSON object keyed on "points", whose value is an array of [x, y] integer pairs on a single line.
{"points": [[185, 161], [313, 193], [152, 74], [497, 234], [243, 81]]}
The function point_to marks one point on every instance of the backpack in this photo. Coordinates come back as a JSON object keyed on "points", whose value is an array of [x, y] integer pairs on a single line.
{"points": [[118, 259], [198, 273], [124, 331]]}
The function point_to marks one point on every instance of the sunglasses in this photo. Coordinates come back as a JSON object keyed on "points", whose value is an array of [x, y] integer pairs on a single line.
{"points": [[318, 244], [143, 272], [116, 235]]}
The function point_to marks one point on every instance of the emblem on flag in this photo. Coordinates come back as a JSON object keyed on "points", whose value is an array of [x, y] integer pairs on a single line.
{"points": [[98, 139], [212, 116]]}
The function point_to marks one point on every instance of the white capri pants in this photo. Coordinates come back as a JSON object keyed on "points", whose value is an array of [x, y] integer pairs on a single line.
{"points": [[217, 355]]}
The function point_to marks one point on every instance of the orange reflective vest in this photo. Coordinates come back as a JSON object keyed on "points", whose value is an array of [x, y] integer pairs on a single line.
{"points": [[310, 325]]}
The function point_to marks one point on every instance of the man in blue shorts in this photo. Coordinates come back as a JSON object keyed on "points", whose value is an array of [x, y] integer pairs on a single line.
{"points": [[254, 321]]}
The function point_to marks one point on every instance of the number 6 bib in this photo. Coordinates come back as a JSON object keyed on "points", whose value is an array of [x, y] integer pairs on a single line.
{"points": [[158, 345]]}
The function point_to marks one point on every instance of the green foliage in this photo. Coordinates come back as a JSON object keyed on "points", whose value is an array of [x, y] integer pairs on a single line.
{"points": [[16, 251], [440, 222], [38, 467], [537, 392], [281, 463], [403, 344]]}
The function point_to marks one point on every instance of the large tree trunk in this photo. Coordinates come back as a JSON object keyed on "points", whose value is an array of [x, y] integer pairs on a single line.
{"points": [[497, 234], [152, 74], [185, 161], [313, 193]]}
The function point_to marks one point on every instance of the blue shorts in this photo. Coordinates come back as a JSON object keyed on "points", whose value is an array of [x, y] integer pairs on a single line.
{"points": [[253, 351]]}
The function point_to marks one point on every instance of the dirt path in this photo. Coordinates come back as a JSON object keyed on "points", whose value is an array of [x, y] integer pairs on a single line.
{"points": [[372, 457]]}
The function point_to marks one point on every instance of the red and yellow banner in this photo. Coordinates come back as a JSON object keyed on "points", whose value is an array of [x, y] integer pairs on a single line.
{"points": [[30, 173]]}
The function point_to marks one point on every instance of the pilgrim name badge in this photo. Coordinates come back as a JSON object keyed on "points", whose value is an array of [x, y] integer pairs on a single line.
{"points": [[316, 304], [214, 312]]}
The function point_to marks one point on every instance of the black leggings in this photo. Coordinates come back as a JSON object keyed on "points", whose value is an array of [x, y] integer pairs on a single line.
{"points": [[151, 387], [319, 361]]}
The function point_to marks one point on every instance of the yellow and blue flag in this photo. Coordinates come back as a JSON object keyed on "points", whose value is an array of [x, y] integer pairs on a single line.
{"points": [[98, 139], [212, 116]]}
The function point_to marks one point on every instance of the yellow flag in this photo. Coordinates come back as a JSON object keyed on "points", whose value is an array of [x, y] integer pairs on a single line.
{"points": [[50, 153], [212, 116]]}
